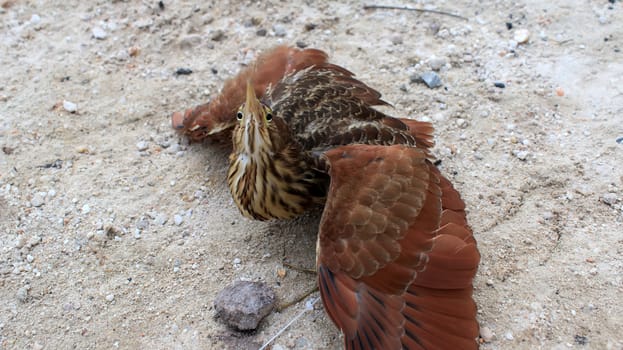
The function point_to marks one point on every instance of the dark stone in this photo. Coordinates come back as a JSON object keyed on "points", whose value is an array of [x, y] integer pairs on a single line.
{"points": [[183, 71], [499, 84], [509, 25], [580, 339], [261, 32], [242, 305]]}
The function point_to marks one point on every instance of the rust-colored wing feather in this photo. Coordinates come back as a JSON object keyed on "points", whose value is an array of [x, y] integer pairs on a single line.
{"points": [[218, 116], [396, 258]]}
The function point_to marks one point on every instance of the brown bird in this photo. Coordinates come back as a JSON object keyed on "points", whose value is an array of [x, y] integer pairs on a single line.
{"points": [[217, 118], [395, 255]]}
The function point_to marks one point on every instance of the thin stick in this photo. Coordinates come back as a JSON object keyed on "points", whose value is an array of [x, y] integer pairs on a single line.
{"points": [[309, 305], [383, 7]]}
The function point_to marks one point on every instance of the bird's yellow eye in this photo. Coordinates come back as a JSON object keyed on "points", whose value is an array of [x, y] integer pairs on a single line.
{"points": [[239, 115], [269, 114]]}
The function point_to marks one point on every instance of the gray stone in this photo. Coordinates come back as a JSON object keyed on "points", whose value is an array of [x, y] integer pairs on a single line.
{"points": [[38, 199], [431, 79], [22, 294], [279, 30], [243, 304], [609, 198]]}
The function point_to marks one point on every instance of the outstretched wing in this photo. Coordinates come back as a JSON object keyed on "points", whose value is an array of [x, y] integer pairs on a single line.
{"points": [[218, 115], [396, 258]]}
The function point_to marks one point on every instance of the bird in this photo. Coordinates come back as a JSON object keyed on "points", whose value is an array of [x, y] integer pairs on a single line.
{"points": [[395, 256], [216, 118]]}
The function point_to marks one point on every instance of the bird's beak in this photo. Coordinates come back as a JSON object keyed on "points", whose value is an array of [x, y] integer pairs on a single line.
{"points": [[252, 106]]}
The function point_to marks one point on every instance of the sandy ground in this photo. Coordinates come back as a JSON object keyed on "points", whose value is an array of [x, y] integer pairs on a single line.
{"points": [[116, 233]]}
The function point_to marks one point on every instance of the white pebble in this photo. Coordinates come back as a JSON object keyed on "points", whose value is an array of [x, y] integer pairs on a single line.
{"points": [[35, 19], [486, 334], [86, 209], [161, 219], [30, 258], [20, 242], [461, 123], [237, 261], [521, 36], [38, 199], [110, 297], [522, 155], [99, 33], [178, 219], [70, 106], [142, 146], [509, 335], [609, 198]]}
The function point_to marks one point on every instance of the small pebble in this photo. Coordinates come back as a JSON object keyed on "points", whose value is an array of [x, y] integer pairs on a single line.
{"points": [[397, 40], [34, 241], [178, 219], [218, 35], [261, 32], [580, 339], [619, 140], [237, 261], [70, 106], [30, 258], [431, 79], [560, 92], [183, 71], [521, 36], [499, 84], [279, 30], [461, 123], [35, 19], [243, 304], [22, 294], [301, 44], [521, 155], [436, 63], [509, 335], [38, 199], [160, 219], [486, 334], [110, 297], [99, 33], [142, 146], [20, 242], [86, 209], [609, 198]]}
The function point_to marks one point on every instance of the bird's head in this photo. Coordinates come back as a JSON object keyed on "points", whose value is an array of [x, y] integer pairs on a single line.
{"points": [[258, 130]]}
